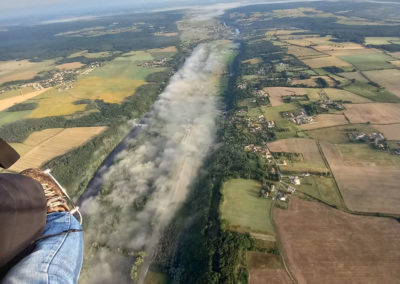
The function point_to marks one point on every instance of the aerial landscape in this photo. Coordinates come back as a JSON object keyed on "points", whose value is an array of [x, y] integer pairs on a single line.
{"points": [[233, 142]]}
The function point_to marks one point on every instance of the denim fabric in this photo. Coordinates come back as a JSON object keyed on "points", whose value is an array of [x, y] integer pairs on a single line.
{"points": [[57, 259]]}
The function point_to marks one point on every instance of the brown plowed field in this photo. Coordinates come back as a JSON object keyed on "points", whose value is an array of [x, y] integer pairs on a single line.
{"points": [[266, 268], [391, 131], [307, 147], [325, 120], [369, 188], [325, 245], [379, 113], [276, 94]]}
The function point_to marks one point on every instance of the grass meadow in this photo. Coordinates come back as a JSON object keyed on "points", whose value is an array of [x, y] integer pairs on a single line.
{"points": [[243, 209]]}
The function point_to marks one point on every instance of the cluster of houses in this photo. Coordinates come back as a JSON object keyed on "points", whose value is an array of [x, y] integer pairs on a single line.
{"points": [[276, 194], [300, 117], [328, 104], [259, 149], [376, 139], [154, 64], [257, 124]]}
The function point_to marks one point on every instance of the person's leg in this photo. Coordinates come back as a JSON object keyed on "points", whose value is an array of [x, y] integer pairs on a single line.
{"points": [[57, 259]]}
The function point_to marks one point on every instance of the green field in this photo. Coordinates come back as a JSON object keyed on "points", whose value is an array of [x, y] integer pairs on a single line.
{"points": [[382, 40], [243, 209], [14, 93], [273, 113], [342, 95], [338, 134], [291, 129], [125, 67], [354, 76], [322, 188], [372, 61], [364, 155], [10, 117], [371, 92]]}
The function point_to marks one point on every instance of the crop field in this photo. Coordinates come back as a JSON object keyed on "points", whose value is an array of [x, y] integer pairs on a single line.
{"points": [[371, 92], [338, 134], [395, 54], [55, 103], [322, 188], [304, 52], [381, 40], [395, 63], [311, 81], [8, 102], [388, 78], [364, 62], [252, 61], [125, 67], [276, 94], [16, 92], [263, 266], [69, 66], [325, 245], [390, 131], [352, 51], [354, 75], [274, 113], [343, 95], [22, 69], [360, 172], [376, 113], [88, 54], [325, 120], [311, 160], [325, 62], [243, 209], [307, 147], [45, 145], [10, 117]]}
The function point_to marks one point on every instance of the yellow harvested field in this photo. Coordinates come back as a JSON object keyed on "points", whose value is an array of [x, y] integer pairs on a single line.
{"points": [[45, 145], [396, 63], [395, 54], [339, 46], [388, 78], [56, 103], [165, 49], [110, 90], [376, 113], [310, 40], [252, 60], [343, 95], [166, 34], [311, 81], [325, 62], [304, 52], [70, 66], [307, 147], [356, 51], [282, 32], [365, 188], [325, 120], [390, 131], [9, 102], [276, 94], [15, 70]]}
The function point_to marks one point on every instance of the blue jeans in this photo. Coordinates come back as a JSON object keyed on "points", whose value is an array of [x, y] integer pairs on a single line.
{"points": [[56, 259]]}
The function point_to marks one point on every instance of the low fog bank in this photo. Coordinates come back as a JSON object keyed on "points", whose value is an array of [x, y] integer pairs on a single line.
{"points": [[150, 180]]}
